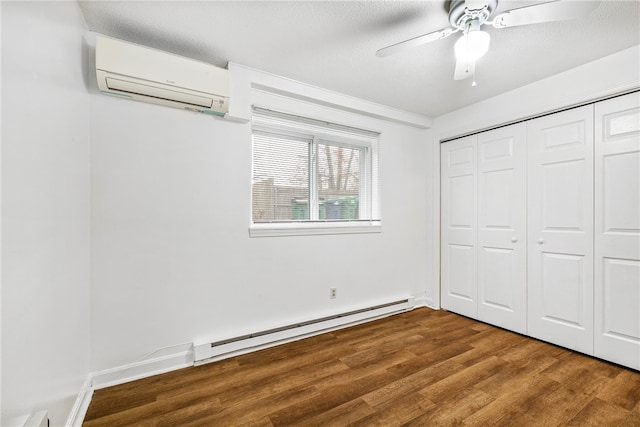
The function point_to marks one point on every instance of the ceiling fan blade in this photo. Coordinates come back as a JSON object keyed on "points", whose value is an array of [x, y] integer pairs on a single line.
{"points": [[559, 10], [416, 41], [464, 70]]}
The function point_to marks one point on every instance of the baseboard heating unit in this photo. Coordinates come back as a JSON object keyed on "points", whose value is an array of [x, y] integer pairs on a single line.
{"points": [[218, 349]]}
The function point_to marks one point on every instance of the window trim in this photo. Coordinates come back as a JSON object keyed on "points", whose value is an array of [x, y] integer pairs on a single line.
{"points": [[311, 228], [367, 141]]}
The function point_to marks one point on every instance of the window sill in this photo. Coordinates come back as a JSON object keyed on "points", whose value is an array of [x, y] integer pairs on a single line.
{"points": [[314, 228]]}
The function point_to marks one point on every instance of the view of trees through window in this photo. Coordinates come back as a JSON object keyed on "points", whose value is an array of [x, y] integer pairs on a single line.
{"points": [[338, 181], [294, 176]]}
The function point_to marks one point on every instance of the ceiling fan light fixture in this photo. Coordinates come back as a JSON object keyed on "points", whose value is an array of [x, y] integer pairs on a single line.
{"points": [[472, 45]]}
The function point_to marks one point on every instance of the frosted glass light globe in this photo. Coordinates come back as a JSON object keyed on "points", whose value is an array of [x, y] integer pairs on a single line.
{"points": [[472, 45]]}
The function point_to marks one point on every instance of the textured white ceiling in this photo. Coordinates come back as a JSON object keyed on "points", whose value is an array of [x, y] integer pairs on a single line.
{"points": [[332, 44]]}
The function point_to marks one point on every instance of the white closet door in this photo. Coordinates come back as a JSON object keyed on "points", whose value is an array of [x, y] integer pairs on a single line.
{"points": [[459, 226], [617, 228], [560, 229], [502, 262]]}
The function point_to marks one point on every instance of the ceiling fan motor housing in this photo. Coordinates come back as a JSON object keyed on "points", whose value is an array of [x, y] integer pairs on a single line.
{"points": [[460, 14]]}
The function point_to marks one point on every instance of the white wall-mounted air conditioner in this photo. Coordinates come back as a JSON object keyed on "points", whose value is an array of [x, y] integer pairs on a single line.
{"points": [[143, 74]]}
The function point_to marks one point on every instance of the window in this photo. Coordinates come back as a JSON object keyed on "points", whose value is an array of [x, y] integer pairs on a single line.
{"points": [[312, 177]]}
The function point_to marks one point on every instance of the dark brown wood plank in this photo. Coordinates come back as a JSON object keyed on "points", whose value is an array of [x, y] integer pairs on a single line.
{"points": [[423, 367]]}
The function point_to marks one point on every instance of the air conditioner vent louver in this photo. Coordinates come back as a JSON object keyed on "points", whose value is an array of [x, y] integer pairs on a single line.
{"points": [[148, 75], [157, 92]]}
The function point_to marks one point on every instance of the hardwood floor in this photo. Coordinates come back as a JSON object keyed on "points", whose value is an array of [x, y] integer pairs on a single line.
{"points": [[421, 368]]}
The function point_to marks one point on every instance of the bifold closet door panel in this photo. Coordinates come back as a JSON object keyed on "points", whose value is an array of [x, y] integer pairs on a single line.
{"points": [[617, 230], [459, 227], [502, 201], [560, 228]]}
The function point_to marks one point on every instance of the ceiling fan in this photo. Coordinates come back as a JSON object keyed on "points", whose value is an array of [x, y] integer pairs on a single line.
{"points": [[468, 16]]}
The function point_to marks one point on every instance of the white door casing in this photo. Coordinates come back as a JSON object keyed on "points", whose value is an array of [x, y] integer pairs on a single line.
{"points": [[617, 230], [502, 203], [459, 226], [560, 228]]}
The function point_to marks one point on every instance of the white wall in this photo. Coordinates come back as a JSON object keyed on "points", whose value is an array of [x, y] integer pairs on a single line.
{"points": [[1, 412], [45, 209], [607, 76], [172, 260]]}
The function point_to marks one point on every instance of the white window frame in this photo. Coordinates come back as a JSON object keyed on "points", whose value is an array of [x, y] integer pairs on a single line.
{"points": [[368, 200]]}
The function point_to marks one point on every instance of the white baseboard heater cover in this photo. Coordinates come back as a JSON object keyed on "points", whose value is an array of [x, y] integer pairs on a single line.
{"points": [[38, 419], [205, 352]]}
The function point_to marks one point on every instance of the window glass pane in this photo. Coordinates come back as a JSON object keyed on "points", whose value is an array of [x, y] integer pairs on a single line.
{"points": [[280, 185], [339, 181], [311, 171]]}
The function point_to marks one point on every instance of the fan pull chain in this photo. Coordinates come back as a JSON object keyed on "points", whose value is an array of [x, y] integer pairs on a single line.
{"points": [[473, 83]]}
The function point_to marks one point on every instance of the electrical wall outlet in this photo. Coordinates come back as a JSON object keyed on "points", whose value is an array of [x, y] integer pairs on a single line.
{"points": [[333, 293]]}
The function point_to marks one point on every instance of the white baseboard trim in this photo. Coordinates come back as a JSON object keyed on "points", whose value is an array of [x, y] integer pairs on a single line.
{"points": [[424, 301], [421, 302], [432, 304], [79, 410], [142, 369], [124, 374]]}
